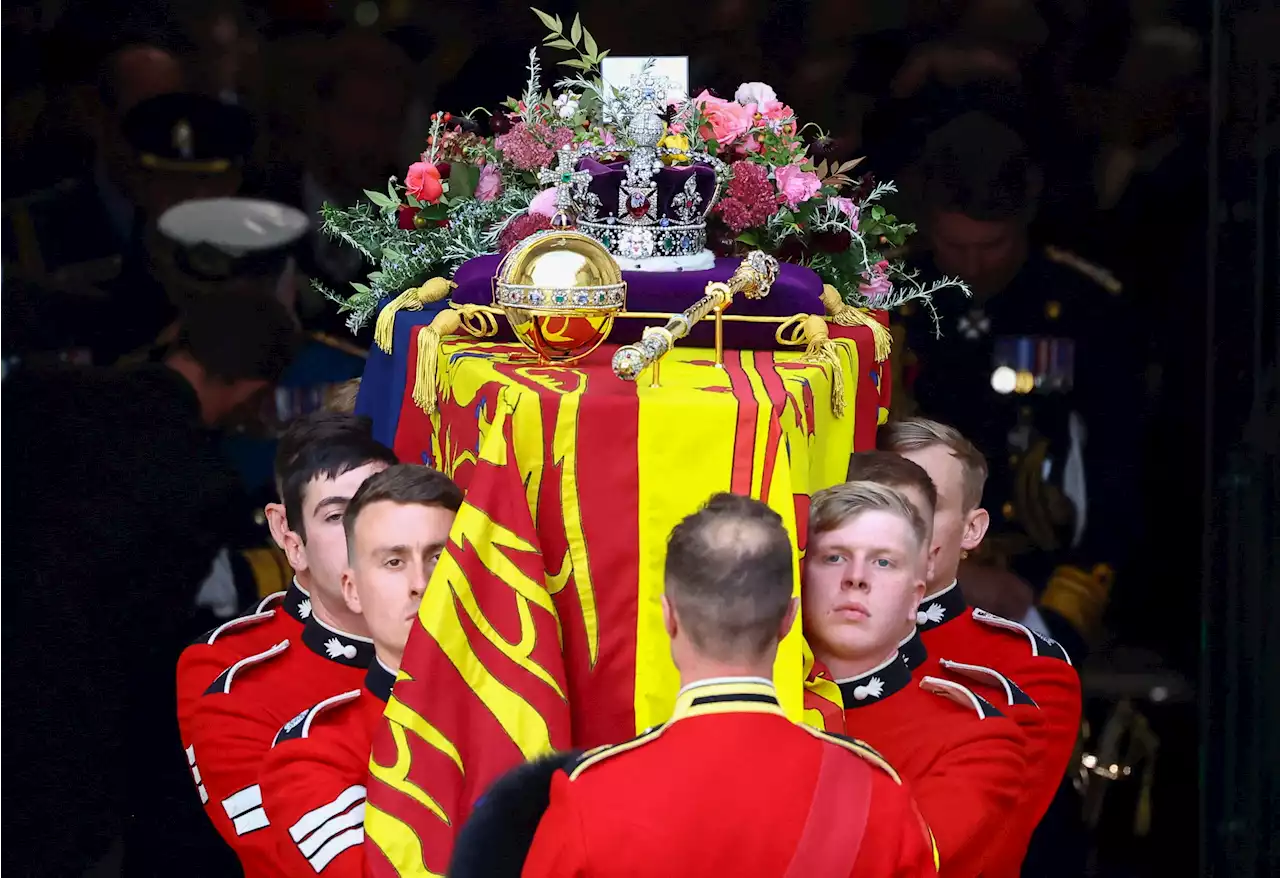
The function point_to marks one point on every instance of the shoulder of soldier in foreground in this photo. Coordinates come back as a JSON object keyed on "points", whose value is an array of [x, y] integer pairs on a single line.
{"points": [[591, 760], [861, 749], [317, 720], [956, 700], [1097, 277], [1008, 633]]}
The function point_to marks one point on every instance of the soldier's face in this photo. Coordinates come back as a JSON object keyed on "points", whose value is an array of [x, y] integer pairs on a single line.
{"points": [[949, 519], [396, 549], [985, 255], [324, 505], [862, 584]]}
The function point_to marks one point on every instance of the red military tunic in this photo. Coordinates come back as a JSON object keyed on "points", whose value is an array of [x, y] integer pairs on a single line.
{"points": [[239, 716], [730, 787], [963, 761], [277, 617], [1040, 674], [313, 780]]}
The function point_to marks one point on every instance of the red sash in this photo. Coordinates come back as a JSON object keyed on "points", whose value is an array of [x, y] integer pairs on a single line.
{"points": [[837, 822]]}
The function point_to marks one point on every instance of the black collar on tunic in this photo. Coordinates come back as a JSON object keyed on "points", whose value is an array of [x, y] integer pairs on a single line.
{"points": [[297, 602], [876, 684], [379, 680], [944, 606], [913, 651], [345, 649]]}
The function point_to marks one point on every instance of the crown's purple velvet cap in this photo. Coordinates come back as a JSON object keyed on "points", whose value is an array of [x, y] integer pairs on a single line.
{"points": [[606, 178], [798, 290]]}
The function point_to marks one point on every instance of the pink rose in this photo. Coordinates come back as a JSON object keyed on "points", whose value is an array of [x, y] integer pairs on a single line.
{"points": [[544, 203], [489, 186], [848, 208], [423, 181], [726, 120], [796, 186], [876, 283]]}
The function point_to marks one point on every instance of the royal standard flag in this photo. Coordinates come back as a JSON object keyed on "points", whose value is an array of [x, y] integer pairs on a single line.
{"points": [[541, 628]]}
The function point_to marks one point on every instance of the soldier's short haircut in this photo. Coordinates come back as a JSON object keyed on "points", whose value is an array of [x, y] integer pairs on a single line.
{"points": [[980, 167], [729, 577], [239, 338], [323, 446], [916, 434], [405, 484], [832, 508], [893, 471]]}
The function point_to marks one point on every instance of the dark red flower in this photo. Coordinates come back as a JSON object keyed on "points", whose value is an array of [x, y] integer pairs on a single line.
{"points": [[500, 122], [520, 228], [792, 249], [405, 217], [445, 169], [833, 240]]}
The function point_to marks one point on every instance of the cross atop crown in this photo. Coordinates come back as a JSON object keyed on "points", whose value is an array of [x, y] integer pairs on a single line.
{"points": [[565, 179]]}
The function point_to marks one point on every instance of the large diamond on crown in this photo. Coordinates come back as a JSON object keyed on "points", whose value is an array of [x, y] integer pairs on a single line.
{"points": [[638, 208]]}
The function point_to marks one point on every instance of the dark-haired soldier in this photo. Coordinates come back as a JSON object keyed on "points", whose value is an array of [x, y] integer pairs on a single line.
{"points": [[729, 786], [245, 705], [313, 781], [1040, 369], [125, 501]]}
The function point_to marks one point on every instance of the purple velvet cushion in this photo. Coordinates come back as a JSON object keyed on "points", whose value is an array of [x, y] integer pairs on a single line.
{"points": [[798, 290]]}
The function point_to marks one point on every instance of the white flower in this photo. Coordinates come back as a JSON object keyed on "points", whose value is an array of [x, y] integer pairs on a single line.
{"points": [[755, 93], [566, 106]]}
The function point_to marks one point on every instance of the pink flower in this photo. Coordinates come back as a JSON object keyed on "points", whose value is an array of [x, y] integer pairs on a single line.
{"points": [[423, 181], [876, 283], [489, 186], [848, 208], [607, 137], [544, 203], [750, 200], [726, 120], [796, 186]]}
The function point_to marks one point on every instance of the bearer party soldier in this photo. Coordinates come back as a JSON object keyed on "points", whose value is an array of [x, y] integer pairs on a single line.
{"points": [[964, 762], [241, 710], [313, 780], [1041, 370], [991, 672], [677, 801]]}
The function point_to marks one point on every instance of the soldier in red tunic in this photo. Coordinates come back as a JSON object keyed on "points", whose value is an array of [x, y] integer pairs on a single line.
{"points": [[313, 780], [1032, 668], [964, 762], [728, 786], [243, 708], [279, 616]]}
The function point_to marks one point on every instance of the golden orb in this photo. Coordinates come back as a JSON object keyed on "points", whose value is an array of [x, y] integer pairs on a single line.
{"points": [[560, 290]]}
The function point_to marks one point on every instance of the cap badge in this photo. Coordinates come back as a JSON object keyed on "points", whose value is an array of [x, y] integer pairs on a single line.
{"points": [[183, 140]]}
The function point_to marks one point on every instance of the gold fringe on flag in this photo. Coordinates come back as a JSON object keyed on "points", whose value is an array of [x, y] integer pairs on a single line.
{"points": [[845, 314], [445, 323], [822, 349], [410, 300]]}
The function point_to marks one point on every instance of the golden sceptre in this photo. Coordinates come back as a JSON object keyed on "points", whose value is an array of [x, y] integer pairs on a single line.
{"points": [[753, 278]]}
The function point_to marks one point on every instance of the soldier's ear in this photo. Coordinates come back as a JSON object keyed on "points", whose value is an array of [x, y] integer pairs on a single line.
{"points": [[793, 610], [975, 529], [350, 596], [274, 513], [668, 618], [294, 549]]}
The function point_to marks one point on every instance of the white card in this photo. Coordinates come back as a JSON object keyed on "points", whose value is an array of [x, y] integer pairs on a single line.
{"points": [[617, 72]]}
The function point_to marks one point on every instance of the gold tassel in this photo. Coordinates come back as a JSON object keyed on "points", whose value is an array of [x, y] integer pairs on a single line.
{"points": [[822, 349], [410, 300], [445, 323], [844, 314]]}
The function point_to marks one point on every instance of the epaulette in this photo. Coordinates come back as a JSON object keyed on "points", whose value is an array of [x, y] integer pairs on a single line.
{"points": [[495, 840], [1040, 645], [862, 749], [1095, 273], [222, 685], [338, 344], [1013, 694], [300, 726], [600, 754], [239, 622], [961, 695]]}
